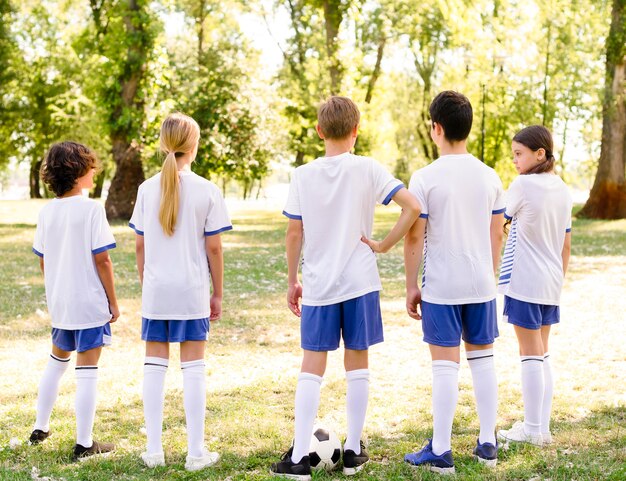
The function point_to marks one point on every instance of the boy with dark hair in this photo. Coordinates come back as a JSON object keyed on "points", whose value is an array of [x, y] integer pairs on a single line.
{"points": [[330, 208], [73, 236], [459, 234]]}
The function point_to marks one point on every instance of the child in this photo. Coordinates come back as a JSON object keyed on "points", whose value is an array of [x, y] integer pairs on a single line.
{"points": [[537, 251], [178, 218], [459, 233], [72, 239], [330, 207]]}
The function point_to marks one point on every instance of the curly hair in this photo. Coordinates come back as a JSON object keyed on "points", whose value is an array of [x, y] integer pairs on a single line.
{"points": [[64, 163]]}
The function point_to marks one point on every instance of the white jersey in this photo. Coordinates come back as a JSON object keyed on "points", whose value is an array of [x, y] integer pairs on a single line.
{"points": [[70, 231], [540, 207], [176, 277], [458, 194], [335, 198]]}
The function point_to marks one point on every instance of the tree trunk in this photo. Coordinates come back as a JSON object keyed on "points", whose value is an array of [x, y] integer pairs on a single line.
{"points": [[98, 184], [124, 144], [128, 175], [333, 15], [34, 183], [299, 159], [376, 71], [607, 199]]}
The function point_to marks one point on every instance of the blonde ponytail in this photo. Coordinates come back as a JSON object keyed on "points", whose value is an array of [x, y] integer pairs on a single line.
{"points": [[168, 211], [179, 135]]}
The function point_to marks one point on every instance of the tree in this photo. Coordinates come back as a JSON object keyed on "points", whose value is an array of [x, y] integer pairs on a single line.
{"points": [[124, 34], [607, 199], [8, 82]]}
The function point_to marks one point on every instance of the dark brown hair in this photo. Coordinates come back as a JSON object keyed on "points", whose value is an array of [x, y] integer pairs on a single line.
{"points": [[453, 111], [337, 117], [64, 163], [537, 137]]}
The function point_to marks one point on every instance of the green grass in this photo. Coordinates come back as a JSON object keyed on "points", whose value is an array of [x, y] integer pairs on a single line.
{"points": [[253, 359]]}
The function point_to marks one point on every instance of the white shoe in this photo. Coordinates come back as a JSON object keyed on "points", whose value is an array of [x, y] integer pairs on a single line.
{"points": [[153, 460], [547, 438], [207, 459], [518, 434]]}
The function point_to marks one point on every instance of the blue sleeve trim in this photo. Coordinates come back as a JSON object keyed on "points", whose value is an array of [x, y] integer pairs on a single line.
{"points": [[424, 216], [213, 232], [392, 193], [37, 252], [507, 217], [292, 216], [104, 248], [132, 226], [498, 211], [569, 229]]}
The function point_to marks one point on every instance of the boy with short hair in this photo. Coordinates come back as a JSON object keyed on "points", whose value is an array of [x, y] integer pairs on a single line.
{"points": [[330, 208], [73, 237], [460, 235]]}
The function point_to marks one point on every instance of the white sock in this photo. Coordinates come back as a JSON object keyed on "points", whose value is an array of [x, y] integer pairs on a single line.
{"points": [[194, 393], [307, 402], [86, 390], [546, 408], [485, 383], [533, 384], [445, 396], [356, 406], [48, 390], [154, 370]]}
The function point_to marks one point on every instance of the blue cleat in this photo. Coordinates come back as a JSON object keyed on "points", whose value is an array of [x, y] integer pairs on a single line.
{"points": [[486, 454], [442, 463]]}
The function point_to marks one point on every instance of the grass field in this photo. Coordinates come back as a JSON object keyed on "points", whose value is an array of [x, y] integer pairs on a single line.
{"points": [[253, 359]]}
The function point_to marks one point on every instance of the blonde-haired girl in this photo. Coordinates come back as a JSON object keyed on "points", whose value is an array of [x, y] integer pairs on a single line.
{"points": [[178, 218]]}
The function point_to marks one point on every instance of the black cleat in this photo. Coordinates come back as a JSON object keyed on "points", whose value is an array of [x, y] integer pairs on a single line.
{"points": [[38, 436], [352, 462], [286, 468], [96, 448]]}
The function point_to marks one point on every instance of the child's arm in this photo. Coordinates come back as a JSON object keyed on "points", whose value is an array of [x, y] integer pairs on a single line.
{"points": [[413, 251], [105, 272], [213, 246], [567, 248], [293, 243], [497, 221], [41, 265], [410, 212], [140, 255]]}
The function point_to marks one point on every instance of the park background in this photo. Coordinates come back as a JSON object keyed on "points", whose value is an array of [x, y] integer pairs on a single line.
{"points": [[106, 72]]}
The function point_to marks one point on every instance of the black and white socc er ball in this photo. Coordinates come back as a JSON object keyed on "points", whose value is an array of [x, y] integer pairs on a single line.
{"points": [[324, 450]]}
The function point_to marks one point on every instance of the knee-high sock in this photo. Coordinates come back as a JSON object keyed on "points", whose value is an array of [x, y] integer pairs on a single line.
{"points": [[533, 385], [154, 370], [356, 406], [445, 396], [48, 390], [86, 391], [194, 390], [307, 402], [546, 408], [485, 383]]}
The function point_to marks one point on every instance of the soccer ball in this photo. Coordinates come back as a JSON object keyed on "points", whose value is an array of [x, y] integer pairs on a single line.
{"points": [[324, 450]]}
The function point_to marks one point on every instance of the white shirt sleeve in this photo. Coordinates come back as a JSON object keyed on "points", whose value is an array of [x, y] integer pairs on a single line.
{"points": [[39, 238], [101, 236], [499, 205], [217, 219], [385, 185], [416, 188], [136, 220], [514, 198], [292, 207]]}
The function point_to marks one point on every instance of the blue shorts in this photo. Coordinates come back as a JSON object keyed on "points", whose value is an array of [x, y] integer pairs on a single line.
{"points": [[444, 325], [530, 315], [156, 330], [82, 340], [357, 320]]}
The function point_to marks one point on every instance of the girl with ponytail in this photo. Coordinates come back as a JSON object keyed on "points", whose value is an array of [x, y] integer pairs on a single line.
{"points": [[538, 209], [178, 218]]}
